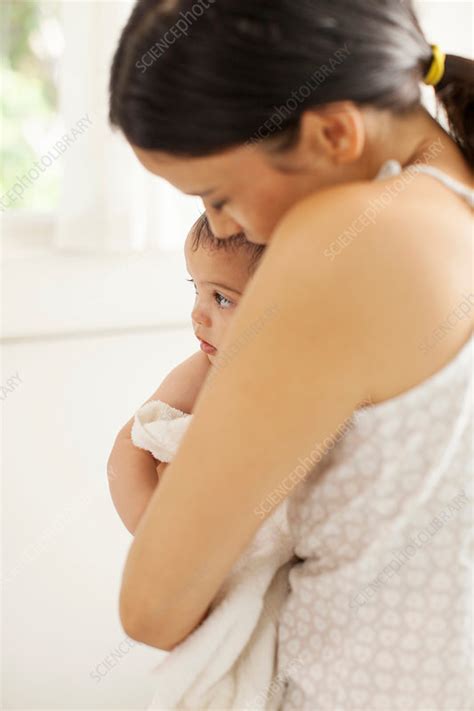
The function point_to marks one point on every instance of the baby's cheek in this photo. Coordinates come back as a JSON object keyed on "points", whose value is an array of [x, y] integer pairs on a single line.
{"points": [[220, 331], [221, 327]]}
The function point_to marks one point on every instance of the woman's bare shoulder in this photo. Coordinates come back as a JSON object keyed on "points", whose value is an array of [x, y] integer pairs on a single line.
{"points": [[344, 213], [395, 257], [380, 237]]}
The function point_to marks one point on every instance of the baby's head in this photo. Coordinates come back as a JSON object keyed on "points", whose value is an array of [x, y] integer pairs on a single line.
{"points": [[220, 270]]}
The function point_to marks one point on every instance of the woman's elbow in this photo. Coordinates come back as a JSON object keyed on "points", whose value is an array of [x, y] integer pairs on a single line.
{"points": [[128, 616], [139, 625], [142, 633]]}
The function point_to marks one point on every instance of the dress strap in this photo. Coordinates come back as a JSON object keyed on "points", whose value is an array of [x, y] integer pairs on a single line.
{"points": [[393, 167]]}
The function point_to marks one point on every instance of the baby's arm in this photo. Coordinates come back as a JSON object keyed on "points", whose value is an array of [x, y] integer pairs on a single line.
{"points": [[132, 472]]}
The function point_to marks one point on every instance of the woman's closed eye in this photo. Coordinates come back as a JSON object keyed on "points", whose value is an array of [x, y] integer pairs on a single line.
{"points": [[218, 206]]}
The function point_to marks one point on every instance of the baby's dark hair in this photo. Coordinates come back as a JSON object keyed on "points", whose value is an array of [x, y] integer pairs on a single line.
{"points": [[202, 236]]}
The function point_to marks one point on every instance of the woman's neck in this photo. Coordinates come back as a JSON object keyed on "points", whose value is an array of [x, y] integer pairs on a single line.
{"points": [[405, 139]]}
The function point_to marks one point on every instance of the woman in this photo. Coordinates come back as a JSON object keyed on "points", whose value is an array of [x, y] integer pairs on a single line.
{"points": [[300, 124]]}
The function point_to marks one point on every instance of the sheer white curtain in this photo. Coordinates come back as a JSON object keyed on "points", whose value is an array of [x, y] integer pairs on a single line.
{"points": [[109, 202]]}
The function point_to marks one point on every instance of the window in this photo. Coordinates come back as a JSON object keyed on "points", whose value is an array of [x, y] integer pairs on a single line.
{"points": [[32, 44], [60, 156]]}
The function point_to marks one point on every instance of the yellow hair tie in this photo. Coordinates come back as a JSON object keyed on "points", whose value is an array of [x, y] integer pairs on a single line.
{"points": [[436, 70]]}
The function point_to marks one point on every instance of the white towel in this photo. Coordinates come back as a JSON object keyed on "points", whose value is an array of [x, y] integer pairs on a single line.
{"points": [[158, 428], [230, 660]]}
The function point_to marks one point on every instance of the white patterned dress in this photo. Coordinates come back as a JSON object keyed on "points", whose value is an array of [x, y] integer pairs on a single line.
{"points": [[379, 613]]}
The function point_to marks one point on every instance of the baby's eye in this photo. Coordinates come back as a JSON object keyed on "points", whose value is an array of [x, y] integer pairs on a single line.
{"points": [[222, 301]]}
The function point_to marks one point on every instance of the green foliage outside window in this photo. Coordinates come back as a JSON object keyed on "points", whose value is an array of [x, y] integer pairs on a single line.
{"points": [[31, 44]]}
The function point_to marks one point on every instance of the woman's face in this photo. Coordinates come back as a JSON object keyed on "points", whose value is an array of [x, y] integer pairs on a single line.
{"points": [[241, 188], [249, 189]]}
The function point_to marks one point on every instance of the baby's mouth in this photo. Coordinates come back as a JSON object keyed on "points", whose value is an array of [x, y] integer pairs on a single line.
{"points": [[207, 348]]}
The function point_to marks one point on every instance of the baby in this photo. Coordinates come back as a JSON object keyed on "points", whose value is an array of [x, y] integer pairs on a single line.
{"points": [[220, 270]]}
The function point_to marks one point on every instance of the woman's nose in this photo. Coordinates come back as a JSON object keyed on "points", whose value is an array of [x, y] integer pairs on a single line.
{"points": [[222, 225]]}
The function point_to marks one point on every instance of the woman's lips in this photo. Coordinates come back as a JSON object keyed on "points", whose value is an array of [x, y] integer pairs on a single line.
{"points": [[207, 348]]}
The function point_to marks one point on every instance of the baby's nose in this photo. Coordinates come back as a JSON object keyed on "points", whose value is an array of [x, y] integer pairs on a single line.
{"points": [[200, 316]]}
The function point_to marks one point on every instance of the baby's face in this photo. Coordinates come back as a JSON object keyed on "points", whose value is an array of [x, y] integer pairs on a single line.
{"points": [[219, 278]]}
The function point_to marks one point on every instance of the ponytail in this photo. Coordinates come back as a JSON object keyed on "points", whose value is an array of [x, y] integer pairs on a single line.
{"points": [[455, 92]]}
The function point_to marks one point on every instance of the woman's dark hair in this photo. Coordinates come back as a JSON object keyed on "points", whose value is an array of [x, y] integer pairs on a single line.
{"points": [[192, 83], [202, 236]]}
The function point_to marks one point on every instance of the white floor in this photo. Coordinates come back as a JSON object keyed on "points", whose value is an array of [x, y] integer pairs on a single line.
{"points": [[64, 545]]}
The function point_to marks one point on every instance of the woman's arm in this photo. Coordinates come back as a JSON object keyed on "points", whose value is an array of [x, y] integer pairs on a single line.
{"points": [[132, 472], [297, 368]]}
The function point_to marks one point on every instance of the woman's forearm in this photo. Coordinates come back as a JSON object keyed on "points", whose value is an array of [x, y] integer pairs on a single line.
{"points": [[132, 480]]}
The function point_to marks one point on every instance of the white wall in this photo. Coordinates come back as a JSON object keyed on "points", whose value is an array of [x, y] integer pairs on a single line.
{"points": [[65, 546], [448, 23]]}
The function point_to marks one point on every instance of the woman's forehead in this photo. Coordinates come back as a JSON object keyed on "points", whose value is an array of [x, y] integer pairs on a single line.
{"points": [[199, 175]]}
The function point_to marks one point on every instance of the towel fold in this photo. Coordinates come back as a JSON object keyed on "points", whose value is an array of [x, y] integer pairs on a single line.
{"points": [[159, 428], [229, 662]]}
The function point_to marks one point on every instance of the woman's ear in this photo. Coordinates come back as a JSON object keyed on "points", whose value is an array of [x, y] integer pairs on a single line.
{"points": [[335, 132]]}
